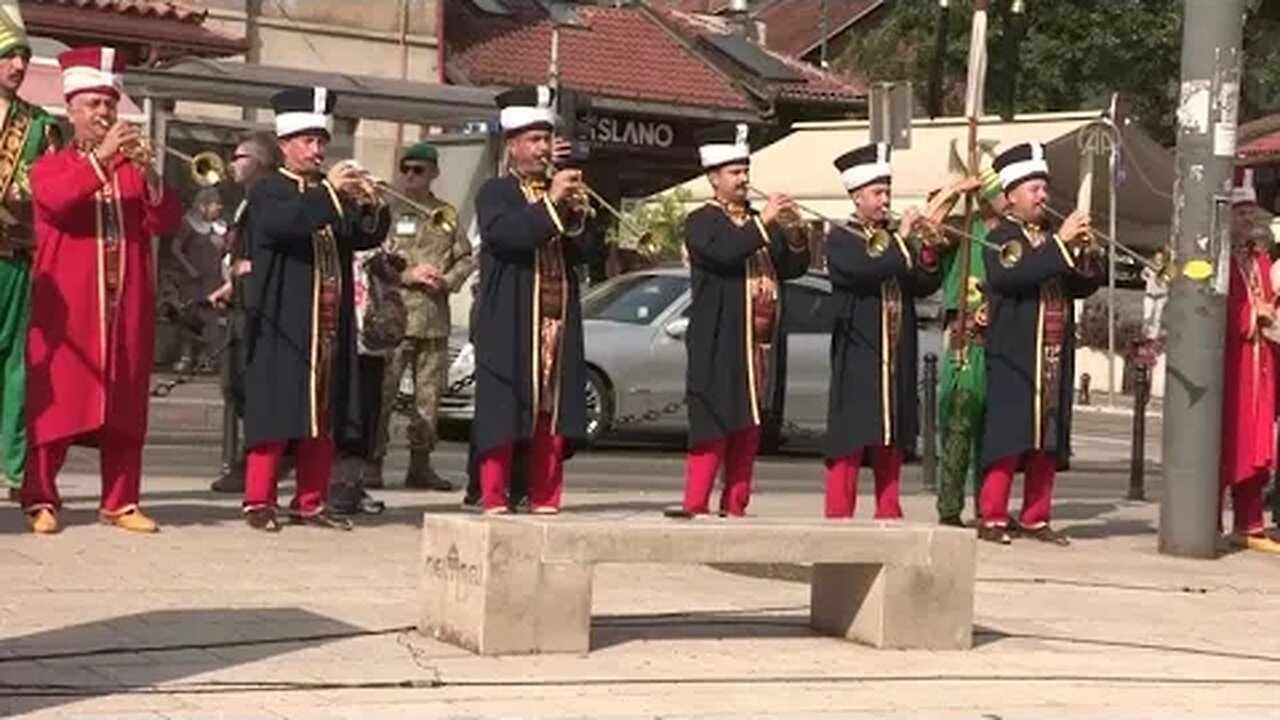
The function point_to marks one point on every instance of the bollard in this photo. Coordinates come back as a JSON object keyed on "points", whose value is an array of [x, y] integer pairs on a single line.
{"points": [[230, 419], [929, 431], [1138, 454], [1084, 389]]}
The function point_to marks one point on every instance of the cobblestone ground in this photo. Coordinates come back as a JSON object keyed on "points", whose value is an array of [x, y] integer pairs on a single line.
{"points": [[208, 619]]}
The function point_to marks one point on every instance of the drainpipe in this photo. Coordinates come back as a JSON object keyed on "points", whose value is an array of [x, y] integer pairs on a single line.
{"points": [[252, 56], [404, 75]]}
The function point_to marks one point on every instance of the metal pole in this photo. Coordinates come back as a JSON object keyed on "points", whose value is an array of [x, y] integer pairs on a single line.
{"points": [[1111, 272], [929, 431], [1138, 454], [1211, 59], [822, 61]]}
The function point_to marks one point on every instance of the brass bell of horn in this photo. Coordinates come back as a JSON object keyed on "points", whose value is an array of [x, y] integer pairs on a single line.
{"points": [[444, 219], [207, 168], [878, 243], [1010, 253]]}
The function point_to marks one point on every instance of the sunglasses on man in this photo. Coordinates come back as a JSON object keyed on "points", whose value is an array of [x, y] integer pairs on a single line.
{"points": [[413, 169]]}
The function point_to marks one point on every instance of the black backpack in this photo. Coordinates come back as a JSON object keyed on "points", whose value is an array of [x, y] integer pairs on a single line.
{"points": [[385, 319]]}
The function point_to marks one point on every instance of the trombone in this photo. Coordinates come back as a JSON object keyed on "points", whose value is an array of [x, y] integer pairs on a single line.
{"points": [[443, 218], [1100, 241], [933, 232], [589, 210]]}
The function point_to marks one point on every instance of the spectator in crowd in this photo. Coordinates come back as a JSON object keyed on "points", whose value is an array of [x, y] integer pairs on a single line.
{"points": [[195, 255]]}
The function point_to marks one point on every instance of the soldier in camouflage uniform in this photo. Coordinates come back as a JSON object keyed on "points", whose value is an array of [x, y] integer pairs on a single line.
{"points": [[438, 262]]}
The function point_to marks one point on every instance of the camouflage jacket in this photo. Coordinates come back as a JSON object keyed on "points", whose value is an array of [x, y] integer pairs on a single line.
{"points": [[418, 240]]}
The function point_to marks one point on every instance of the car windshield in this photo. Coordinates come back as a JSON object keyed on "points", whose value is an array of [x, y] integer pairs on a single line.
{"points": [[636, 300]]}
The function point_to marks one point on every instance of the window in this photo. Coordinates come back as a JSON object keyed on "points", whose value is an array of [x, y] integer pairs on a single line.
{"points": [[806, 309], [636, 300]]}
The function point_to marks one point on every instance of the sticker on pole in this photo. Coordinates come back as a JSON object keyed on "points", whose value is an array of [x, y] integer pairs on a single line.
{"points": [[1198, 269]]}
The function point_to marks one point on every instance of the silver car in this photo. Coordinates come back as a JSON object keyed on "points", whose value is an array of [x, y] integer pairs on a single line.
{"points": [[634, 328]]}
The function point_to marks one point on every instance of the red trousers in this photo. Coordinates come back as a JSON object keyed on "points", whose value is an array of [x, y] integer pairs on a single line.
{"points": [[737, 453], [842, 483], [1037, 496], [314, 465], [120, 462], [546, 471], [1246, 505]]}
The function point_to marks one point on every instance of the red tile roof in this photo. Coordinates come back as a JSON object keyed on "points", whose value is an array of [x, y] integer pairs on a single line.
{"points": [[155, 9], [148, 30], [792, 26], [623, 53], [643, 52], [817, 85], [795, 26]]}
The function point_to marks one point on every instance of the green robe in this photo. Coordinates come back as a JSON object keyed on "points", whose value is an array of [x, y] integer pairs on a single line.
{"points": [[962, 399], [28, 132]]}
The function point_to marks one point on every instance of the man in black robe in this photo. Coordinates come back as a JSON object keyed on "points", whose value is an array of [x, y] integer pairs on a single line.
{"points": [[530, 371], [738, 257], [1030, 336], [300, 379], [876, 275], [256, 157]]}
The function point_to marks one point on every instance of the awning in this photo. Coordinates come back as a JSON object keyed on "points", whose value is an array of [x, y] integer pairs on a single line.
{"points": [[359, 96], [800, 166]]}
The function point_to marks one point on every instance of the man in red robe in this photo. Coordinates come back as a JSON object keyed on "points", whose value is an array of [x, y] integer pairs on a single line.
{"points": [[1249, 391], [89, 347]]}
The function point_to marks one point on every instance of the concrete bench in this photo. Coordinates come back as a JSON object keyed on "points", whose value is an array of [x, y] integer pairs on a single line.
{"points": [[522, 584]]}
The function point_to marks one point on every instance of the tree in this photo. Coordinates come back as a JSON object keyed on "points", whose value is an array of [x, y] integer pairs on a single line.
{"points": [[662, 218], [1072, 56]]}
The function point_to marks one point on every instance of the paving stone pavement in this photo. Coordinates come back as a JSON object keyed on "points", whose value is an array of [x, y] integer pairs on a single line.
{"points": [[210, 620]]}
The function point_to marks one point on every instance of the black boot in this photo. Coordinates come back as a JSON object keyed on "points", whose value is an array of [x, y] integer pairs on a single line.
{"points": [[421, 476]]}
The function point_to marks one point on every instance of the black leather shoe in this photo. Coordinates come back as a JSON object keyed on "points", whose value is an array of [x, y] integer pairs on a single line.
{"points": [[231, 481], [263, 519], [369, 505], [1045, 534], [995, 534], [324, 519], [951, 521]]}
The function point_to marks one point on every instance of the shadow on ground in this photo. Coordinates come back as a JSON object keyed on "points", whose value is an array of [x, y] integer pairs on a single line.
{"points": [[613, 630], [133, 653]]}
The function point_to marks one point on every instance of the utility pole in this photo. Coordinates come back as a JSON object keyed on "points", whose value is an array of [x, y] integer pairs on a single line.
{"points": [[1209, 98]]}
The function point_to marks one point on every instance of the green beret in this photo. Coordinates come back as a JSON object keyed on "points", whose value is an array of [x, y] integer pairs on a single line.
{"points": [[423, 152]]}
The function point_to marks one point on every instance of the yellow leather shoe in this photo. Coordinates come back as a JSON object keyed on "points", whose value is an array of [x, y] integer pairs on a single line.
{"points": [[1260, 543], [43, 521], [131, 520]]}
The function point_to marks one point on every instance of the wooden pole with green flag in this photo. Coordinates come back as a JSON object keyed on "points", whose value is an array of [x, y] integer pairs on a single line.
{"points": [[974, 86]]}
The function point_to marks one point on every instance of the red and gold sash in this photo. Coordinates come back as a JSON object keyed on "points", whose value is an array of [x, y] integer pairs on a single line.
{"points": [[761, 304], [550, 305]]}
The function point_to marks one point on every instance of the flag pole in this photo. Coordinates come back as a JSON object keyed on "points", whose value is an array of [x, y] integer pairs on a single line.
{"points": [[973, 110]]}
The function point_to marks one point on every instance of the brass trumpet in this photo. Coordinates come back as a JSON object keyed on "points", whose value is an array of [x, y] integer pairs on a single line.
{"points": [[207, 167]]}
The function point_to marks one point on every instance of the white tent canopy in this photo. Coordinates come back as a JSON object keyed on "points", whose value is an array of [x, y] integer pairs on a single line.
{"points": [[800, 166]]}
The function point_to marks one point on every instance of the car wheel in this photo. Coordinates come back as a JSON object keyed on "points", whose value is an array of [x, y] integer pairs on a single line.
{"points": [[599, 405]]}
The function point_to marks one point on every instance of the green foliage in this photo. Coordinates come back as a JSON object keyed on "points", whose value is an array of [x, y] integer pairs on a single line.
{"points": [[662, 217], [1073, 55]]}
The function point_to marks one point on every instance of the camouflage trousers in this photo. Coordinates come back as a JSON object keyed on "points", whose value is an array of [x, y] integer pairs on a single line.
{"points": [[428, 360]]}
